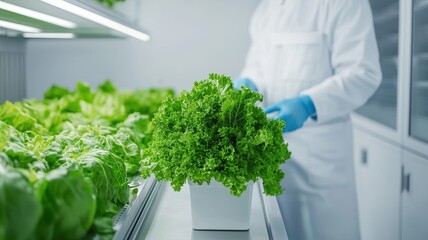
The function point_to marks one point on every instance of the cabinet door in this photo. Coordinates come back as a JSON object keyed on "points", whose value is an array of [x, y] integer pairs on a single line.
{"points": [[419, 87], [415, 198], [386, 22], [378, 175]]}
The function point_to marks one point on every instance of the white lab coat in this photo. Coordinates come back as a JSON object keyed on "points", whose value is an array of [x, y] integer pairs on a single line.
{"points": [[327, 50]]}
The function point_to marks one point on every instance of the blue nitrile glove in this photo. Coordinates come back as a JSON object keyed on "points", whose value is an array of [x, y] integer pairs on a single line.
{"points": [[244, 82], [294, 111]]}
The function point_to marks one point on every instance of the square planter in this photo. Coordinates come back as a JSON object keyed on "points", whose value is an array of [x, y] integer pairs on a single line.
{"points": [[214, 208]]}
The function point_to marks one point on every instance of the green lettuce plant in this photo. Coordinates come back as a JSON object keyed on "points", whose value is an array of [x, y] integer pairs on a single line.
{"points": [[110, 3], [215, 131], [20, 209], [66, 161]]}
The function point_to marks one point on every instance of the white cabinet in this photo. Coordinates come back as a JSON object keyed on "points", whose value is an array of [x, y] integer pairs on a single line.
{"points": [[392, 189], [415, 197], [391, 143], [378, 175]]}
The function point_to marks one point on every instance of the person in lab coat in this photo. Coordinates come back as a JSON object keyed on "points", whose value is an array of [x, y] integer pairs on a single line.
{"points": [[315, 61]]}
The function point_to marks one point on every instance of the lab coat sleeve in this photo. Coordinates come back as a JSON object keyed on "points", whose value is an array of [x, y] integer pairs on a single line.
{"points": [[354, 58], [252, 68]]}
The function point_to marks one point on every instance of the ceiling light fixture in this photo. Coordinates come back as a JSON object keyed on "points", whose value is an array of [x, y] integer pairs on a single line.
{"points": [[49, 35], [18, 27], [36, 15], [94, 17]]}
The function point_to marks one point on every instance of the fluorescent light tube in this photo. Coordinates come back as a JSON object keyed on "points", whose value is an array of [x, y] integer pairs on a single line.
{"points": [[49, 35], [98, 19], [36, 15], [18, 27]]}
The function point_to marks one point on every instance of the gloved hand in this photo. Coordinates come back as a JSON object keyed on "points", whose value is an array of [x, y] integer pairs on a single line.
{"points": [[294, 111], [241, 82]]}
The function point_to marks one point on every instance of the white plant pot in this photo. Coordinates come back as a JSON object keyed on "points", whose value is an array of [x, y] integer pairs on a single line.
{"points": [[214, 208]]}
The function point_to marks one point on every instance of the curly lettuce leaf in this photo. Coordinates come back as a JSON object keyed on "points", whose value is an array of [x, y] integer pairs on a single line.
{"points": [[214, 131]]}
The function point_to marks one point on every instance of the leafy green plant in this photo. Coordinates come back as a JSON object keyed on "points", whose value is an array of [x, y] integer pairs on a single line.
{"points": [[110, 3], [66, 161], [69, 204], [20, 209], [57, 205], [214, 131]]}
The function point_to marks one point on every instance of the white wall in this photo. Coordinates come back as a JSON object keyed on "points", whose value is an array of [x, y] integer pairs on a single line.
{"points": [[12, 69], [190, 38]]}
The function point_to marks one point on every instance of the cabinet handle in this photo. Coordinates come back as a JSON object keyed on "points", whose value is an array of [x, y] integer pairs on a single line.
{"points": [[408, 182], [364, 156], [405, 181]]}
